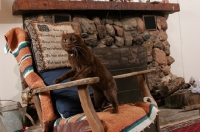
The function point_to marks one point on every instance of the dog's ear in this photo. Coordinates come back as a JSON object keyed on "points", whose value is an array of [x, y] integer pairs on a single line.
{"points": [[64, 32], [76, 32]]}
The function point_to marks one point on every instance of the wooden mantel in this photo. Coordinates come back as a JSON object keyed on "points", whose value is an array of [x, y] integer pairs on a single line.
{"points": [[21, 7]]}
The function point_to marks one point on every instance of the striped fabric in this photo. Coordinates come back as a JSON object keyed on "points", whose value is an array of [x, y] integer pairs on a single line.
{"points": [[131, 118], [18, 43], [26, 58]]}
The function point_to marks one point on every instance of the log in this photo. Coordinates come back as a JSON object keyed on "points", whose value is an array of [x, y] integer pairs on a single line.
{"points": [[172, 87], [191, 107], [182, 98]]}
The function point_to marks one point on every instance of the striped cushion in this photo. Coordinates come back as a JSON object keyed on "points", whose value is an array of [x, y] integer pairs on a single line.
{"points": [[131, 118]]}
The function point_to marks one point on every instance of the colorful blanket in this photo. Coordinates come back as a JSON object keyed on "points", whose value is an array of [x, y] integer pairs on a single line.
{"points": [[131, 118], [18, 43]]}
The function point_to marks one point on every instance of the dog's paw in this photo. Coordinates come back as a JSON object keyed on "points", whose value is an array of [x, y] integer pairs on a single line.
{"points": [[57, 80], [72, 79]]}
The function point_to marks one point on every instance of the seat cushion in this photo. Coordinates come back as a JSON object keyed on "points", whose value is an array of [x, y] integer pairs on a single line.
{"points": [[66, 100], [131, 117]]}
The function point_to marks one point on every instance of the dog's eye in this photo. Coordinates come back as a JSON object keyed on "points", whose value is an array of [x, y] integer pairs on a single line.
{"points": [[73, 40], [64, 40]]}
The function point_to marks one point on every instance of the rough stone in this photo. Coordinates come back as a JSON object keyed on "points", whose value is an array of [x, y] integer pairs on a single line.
{"points": [[158, 44], [128, 38], [155, 32], [162, 23], [118, 23], [146, 35], [134, 33], [166, 70], [77, 26], [119, 31], [119, 41], [128, 27], [84, 35], [162, 35], [153, 38], [170, 60], [154, 63], [129, 21], [138, 40], [149, 58], [167, 50], [91, 40], [166, 47], [102, 43], [166, 43], [140, 25], [101, 31], [110, 30], [161, 74], [97, 21], [160, 56], [87, 26], [109, 40], [113, 46], [154, 79], [148, 45], [77, 19]]}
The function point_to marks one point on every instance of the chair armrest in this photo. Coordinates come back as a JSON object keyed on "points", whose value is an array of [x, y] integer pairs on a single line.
{"points": [[79, 82], [84, 96], [133, 74], [141, 82]]}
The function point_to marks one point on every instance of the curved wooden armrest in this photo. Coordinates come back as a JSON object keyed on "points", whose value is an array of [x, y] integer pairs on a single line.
{"points": [[133, 74], [84, 96], [79, 82], [141, 82]]}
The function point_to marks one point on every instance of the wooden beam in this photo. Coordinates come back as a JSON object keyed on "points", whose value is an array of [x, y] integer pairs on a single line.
{"points": [[21, 7]]}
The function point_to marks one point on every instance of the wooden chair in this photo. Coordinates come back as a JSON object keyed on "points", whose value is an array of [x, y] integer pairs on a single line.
{"points": [[139, 89]]}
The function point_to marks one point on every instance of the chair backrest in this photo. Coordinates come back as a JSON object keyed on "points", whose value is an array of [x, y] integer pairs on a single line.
{"points": [[124, 60]]}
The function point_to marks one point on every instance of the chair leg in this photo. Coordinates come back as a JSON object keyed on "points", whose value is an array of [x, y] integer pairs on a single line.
{"points": [[36, 102], [158, 123], [88, 109]]}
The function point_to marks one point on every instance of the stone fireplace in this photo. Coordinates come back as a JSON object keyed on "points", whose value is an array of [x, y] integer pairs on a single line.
{"points": [[117, 24]]}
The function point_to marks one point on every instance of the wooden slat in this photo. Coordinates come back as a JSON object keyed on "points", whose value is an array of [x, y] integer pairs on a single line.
{"points": [[21, 7]]}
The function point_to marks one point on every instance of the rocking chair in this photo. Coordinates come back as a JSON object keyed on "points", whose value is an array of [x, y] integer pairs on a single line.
{"points": [[133, 94]]}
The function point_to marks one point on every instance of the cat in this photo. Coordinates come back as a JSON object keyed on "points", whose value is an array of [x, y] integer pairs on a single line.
{"points": [[85, 64]]}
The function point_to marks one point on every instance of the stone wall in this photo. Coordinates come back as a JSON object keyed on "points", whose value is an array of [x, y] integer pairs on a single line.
{"points": [[129, 31]]}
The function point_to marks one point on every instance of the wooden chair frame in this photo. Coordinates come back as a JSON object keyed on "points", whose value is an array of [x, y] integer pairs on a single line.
{"points": [[84, 96]]}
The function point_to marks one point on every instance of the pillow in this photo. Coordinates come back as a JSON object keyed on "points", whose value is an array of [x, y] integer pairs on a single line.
{"points": [[46, 44], [66, 101]]}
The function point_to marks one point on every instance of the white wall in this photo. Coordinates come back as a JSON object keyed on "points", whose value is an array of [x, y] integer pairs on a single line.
{"points": [[183, 36], [10, 87]]}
